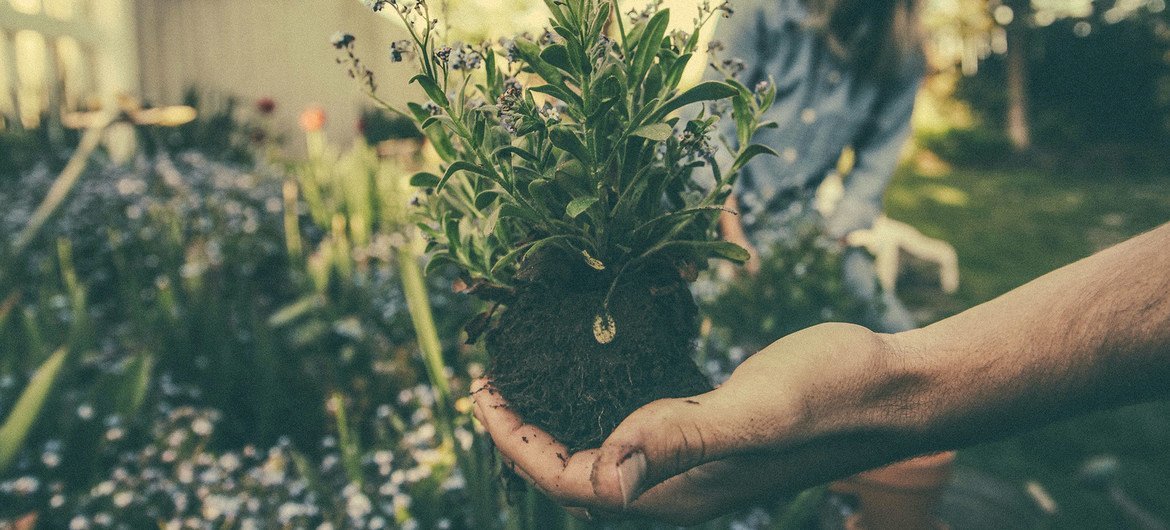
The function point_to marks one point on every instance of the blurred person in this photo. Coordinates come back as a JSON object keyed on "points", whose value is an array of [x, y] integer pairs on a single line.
{"points": [[837, 398], [847, 73]]}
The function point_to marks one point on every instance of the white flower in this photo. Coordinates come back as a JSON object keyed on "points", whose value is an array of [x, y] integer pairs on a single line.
{"points": [[123, 499], [358, 506], [201, 426]]}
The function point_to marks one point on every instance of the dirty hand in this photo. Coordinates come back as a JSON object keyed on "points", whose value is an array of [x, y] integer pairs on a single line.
{"points": [[792, 416]]}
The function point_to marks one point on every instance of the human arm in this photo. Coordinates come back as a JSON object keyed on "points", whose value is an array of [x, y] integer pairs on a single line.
{"points": [[836, 399]]}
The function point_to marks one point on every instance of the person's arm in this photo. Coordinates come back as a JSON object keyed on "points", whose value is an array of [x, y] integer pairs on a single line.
{"points": [[836, 399], [878, 149]]}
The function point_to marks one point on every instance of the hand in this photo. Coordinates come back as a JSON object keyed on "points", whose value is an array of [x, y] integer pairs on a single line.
{"points": [[768, 431]]}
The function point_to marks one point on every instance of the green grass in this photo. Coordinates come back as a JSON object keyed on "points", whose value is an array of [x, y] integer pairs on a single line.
{"points": [[1010, 226]]}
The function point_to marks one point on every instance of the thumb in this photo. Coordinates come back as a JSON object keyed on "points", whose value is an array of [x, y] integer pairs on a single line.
{"points": [[658, 441]]}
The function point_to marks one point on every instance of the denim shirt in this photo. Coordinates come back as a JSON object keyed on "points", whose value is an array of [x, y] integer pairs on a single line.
{"points": [[822, 107]]}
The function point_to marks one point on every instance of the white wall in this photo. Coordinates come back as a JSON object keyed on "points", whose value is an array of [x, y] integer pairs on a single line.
{"points": [[280, 49], [266, 48]]}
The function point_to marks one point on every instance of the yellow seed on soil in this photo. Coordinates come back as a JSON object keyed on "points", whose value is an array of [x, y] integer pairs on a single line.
{"points": [[604, 328], [592, 261]]}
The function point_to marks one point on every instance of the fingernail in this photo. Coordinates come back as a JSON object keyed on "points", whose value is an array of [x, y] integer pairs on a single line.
{"points": [[631, 472]]}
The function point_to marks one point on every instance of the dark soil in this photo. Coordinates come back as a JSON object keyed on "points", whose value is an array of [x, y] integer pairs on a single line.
{"points": [[547, 364]]}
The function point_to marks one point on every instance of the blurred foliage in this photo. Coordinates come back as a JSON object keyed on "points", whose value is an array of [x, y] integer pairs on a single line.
{"points": [[22, 149], [187, 293], [800, 284], [967, 146], [377, 126], [1015, 225], [1108, 86], [225, 130], [1099, 73], [19, 151]]}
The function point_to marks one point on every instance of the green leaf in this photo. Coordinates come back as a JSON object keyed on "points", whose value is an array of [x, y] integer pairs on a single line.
{"points": [[438, 260], [554, 6], [135, 385], [563, 94], [748, 154], [558, 56], [510, 257], [536, 246], [530, 53], [676, 71], [705, 91], [564, 139], [711, 249], [659, 132], [485, 199], [28, 408], [674, 216], [517, 212], [509, 150], [457, 166], [424, 180], [578, 206], [444, 120], [541, 191], [451, 230], [294, 311], [650, 44], [600, 20], [432, 89]]}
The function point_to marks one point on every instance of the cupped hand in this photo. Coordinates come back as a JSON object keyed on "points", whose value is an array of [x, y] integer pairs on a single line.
{"points": [[797, 414]]}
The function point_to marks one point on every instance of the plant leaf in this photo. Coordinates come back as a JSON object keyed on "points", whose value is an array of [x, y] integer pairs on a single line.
{"points": [[649, 45], [748, 154], [530, 53], [558, 56], [659, 132], [455, 167], [509, 150], [485, 199], [28, 408], [563, 138], [705, 91], [424, 180], [563, 94], [432, 89], [578, 206], [711, 249], [438, 260]]}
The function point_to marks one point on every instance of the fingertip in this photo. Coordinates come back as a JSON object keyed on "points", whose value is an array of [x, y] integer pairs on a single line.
{"points": [[479, 385], [612, 481]]}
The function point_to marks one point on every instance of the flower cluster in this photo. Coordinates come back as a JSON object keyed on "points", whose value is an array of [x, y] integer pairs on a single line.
{"points": [[176, 482], [401, 50]]}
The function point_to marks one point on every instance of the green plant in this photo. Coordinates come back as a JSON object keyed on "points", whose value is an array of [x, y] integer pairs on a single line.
{"points": [[570, 142]]}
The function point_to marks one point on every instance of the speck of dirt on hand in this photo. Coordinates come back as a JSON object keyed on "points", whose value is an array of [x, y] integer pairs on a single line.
{"points": [[692, 402], [525, 438]]}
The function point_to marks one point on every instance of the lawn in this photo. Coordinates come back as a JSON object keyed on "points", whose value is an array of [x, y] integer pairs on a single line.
{"points": [[1010, 226]]}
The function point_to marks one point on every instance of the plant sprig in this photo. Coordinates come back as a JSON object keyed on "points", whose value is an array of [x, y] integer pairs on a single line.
{"points": [[574, 140]]}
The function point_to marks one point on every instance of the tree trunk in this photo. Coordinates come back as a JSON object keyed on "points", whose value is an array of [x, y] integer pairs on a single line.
{"points": [[1019, 122]]}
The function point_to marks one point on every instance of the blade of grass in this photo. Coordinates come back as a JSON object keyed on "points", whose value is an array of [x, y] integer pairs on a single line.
{"points": [[28, 408]]}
